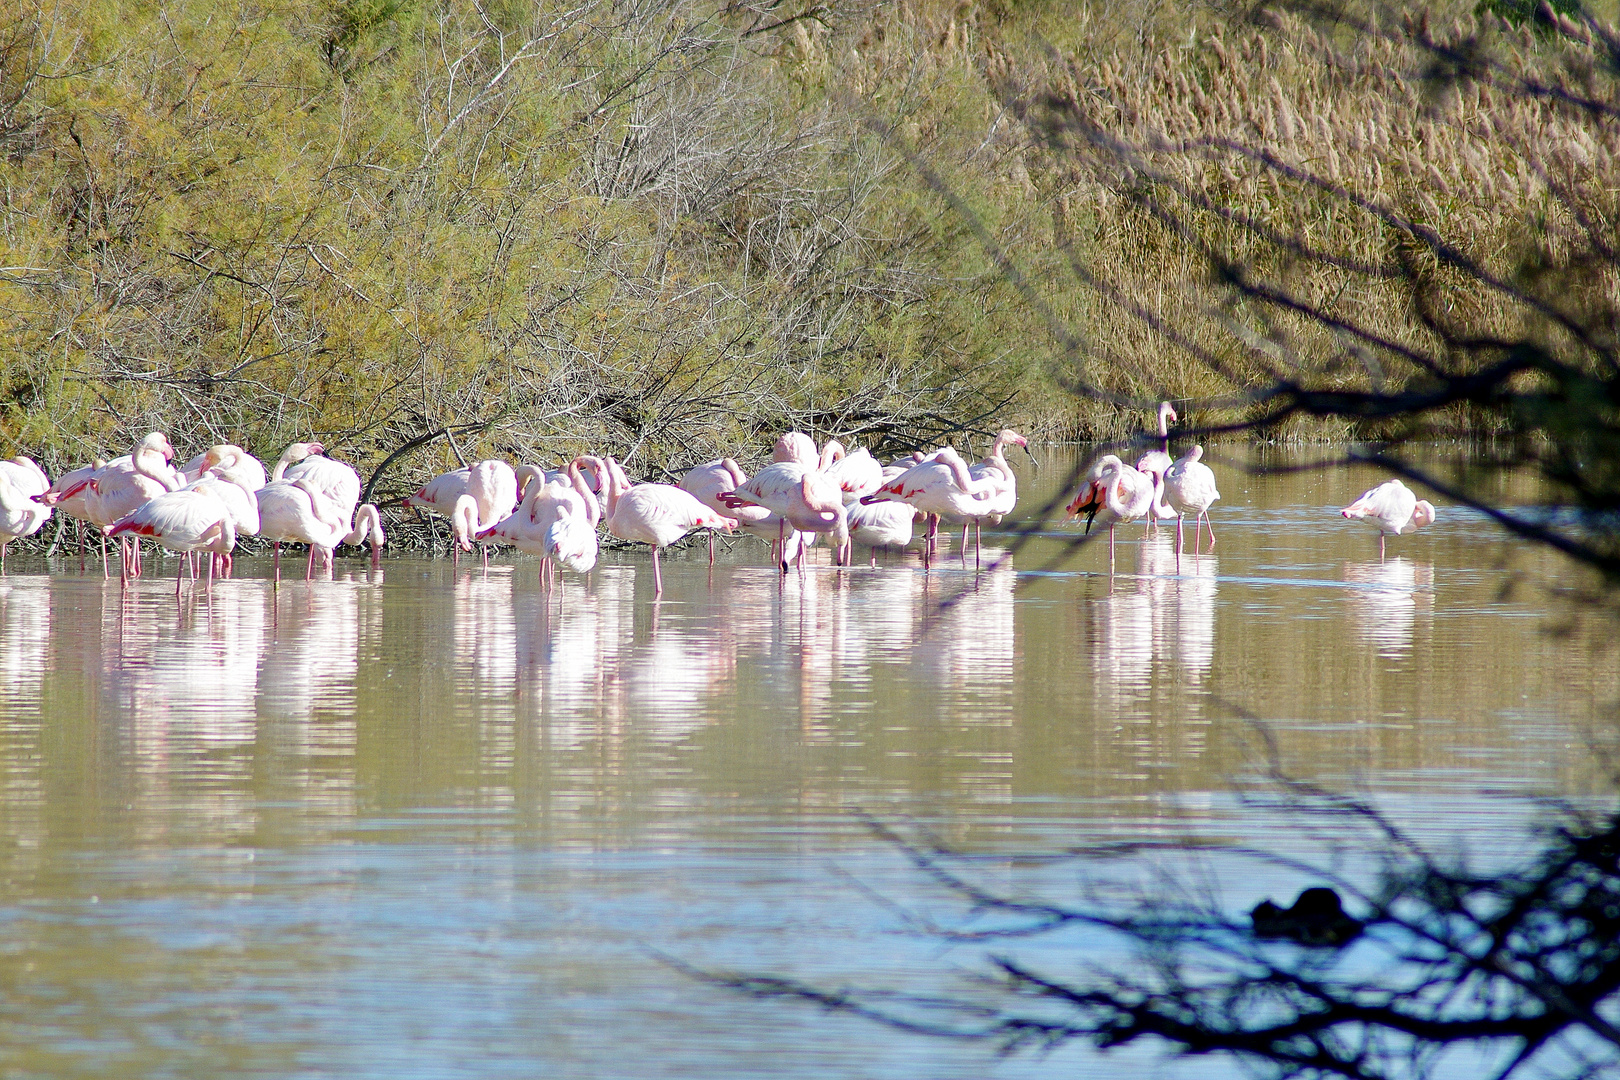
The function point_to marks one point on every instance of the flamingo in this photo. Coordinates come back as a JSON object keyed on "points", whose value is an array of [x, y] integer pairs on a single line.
{"points": [[186, 520], [1154, 465], [337, 481], [940, 486], [656, 514], [125, 483], [1392, 508], [708, 481], [556, 521], [800, 494], [1189, 488], [1157, 461], [1004, 497], [1118, 493], [299, 511], [231, 480], [883, 524], [247, 469], [20, 513], [492, 484], [75, 506]]}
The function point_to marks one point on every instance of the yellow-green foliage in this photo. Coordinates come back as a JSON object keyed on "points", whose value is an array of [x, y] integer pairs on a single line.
{"points": [[660, 229]]}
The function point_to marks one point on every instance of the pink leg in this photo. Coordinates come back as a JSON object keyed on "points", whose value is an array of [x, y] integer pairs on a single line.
{"points": [[1180, 541], [275, 547], [658, 577], [1110, 550], [179, 573], [309, 566], [1211, 526]]}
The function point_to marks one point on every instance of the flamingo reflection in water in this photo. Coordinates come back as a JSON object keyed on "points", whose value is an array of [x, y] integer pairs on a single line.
{"points": [[1183, 606], [25, 625], [1385, 599], [485, 635], [568, 656], [313, 657]]}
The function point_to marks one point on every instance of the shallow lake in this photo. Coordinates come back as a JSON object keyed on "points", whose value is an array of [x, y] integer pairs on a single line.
{"points": [[428, 821]]}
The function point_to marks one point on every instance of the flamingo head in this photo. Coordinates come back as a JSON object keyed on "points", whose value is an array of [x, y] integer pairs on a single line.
{"points": [[157, 442], [1422, 514], [795, 446], [1167, 413]]}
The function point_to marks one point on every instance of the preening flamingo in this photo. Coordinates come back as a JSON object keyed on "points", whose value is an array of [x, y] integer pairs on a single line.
{"points": [[20, 513], [368, 526], [707, 482], [1392, 509], [941, 486], [802, 497], [1189, 488], [656, 514], [492, 484], [1118, 494], [299, 511], [556, 521], [194, 518]]}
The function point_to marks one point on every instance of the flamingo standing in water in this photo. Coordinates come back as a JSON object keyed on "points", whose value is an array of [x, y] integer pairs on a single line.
{"points": [[1118, 494], [76, 505], [1157, 461], [123, 485], [193, 518], [1189, 488], [655, 514], [21, 514], [299, 511], [556, 521], [337, 481], [1392, 509], [491, 484], [1004, 495], [800, 493], [940, 486], [247, 469], [707, 482]]}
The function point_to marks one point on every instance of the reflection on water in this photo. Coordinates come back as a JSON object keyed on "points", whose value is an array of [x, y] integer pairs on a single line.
{"points": [[1386, 601], [365, 765]]}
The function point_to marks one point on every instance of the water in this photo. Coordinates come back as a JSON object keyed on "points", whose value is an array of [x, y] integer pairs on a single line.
{"points": [[425, 821]]}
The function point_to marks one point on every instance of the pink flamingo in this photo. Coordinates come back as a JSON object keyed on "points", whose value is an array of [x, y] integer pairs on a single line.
{"points": [[299, 511], [187, 520], [707, 482], [1392, 508], [20, 513], [231, 481], [121, 486], [1004, 495], [802, 496], [1118, 494], [941, 486], [1189, 488], [75, 506], [656, 514], [247, 469], [556, 521], [492, 484], [337, 481]]}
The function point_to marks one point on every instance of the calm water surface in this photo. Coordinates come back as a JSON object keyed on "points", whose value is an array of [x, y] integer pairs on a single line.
{"points": [[425, 821]]}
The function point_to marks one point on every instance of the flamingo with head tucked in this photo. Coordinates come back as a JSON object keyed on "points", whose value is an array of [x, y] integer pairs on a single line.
{"points": [[1392, 509], [1116, 493], [941, 486], [801, 495], [20, 513], [655, 514], [125, 483], [299, 511], [1189, 488], [193, 518], [707, 482]]}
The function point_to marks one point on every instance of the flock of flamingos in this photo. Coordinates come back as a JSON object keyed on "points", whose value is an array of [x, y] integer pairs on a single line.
{"points": [[805, 493]]}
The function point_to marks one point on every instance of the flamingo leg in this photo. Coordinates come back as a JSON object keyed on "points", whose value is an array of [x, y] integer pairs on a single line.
{"points": [[711, 548], [1210, 525], [275, 547], [962, 550], [1179, 542], [1380, 547], [104, 572], [1110, 551], [179, 574], [658, 577], [978, 546], [309, 566]]}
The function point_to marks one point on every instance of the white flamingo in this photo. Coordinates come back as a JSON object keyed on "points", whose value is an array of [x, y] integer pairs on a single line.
{"points": [[1157, 461], [20, 513], [1392, 509], [193, 518], [655, 514], [707, 482], [1189, 488], [299, 511], [941, 486]]}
